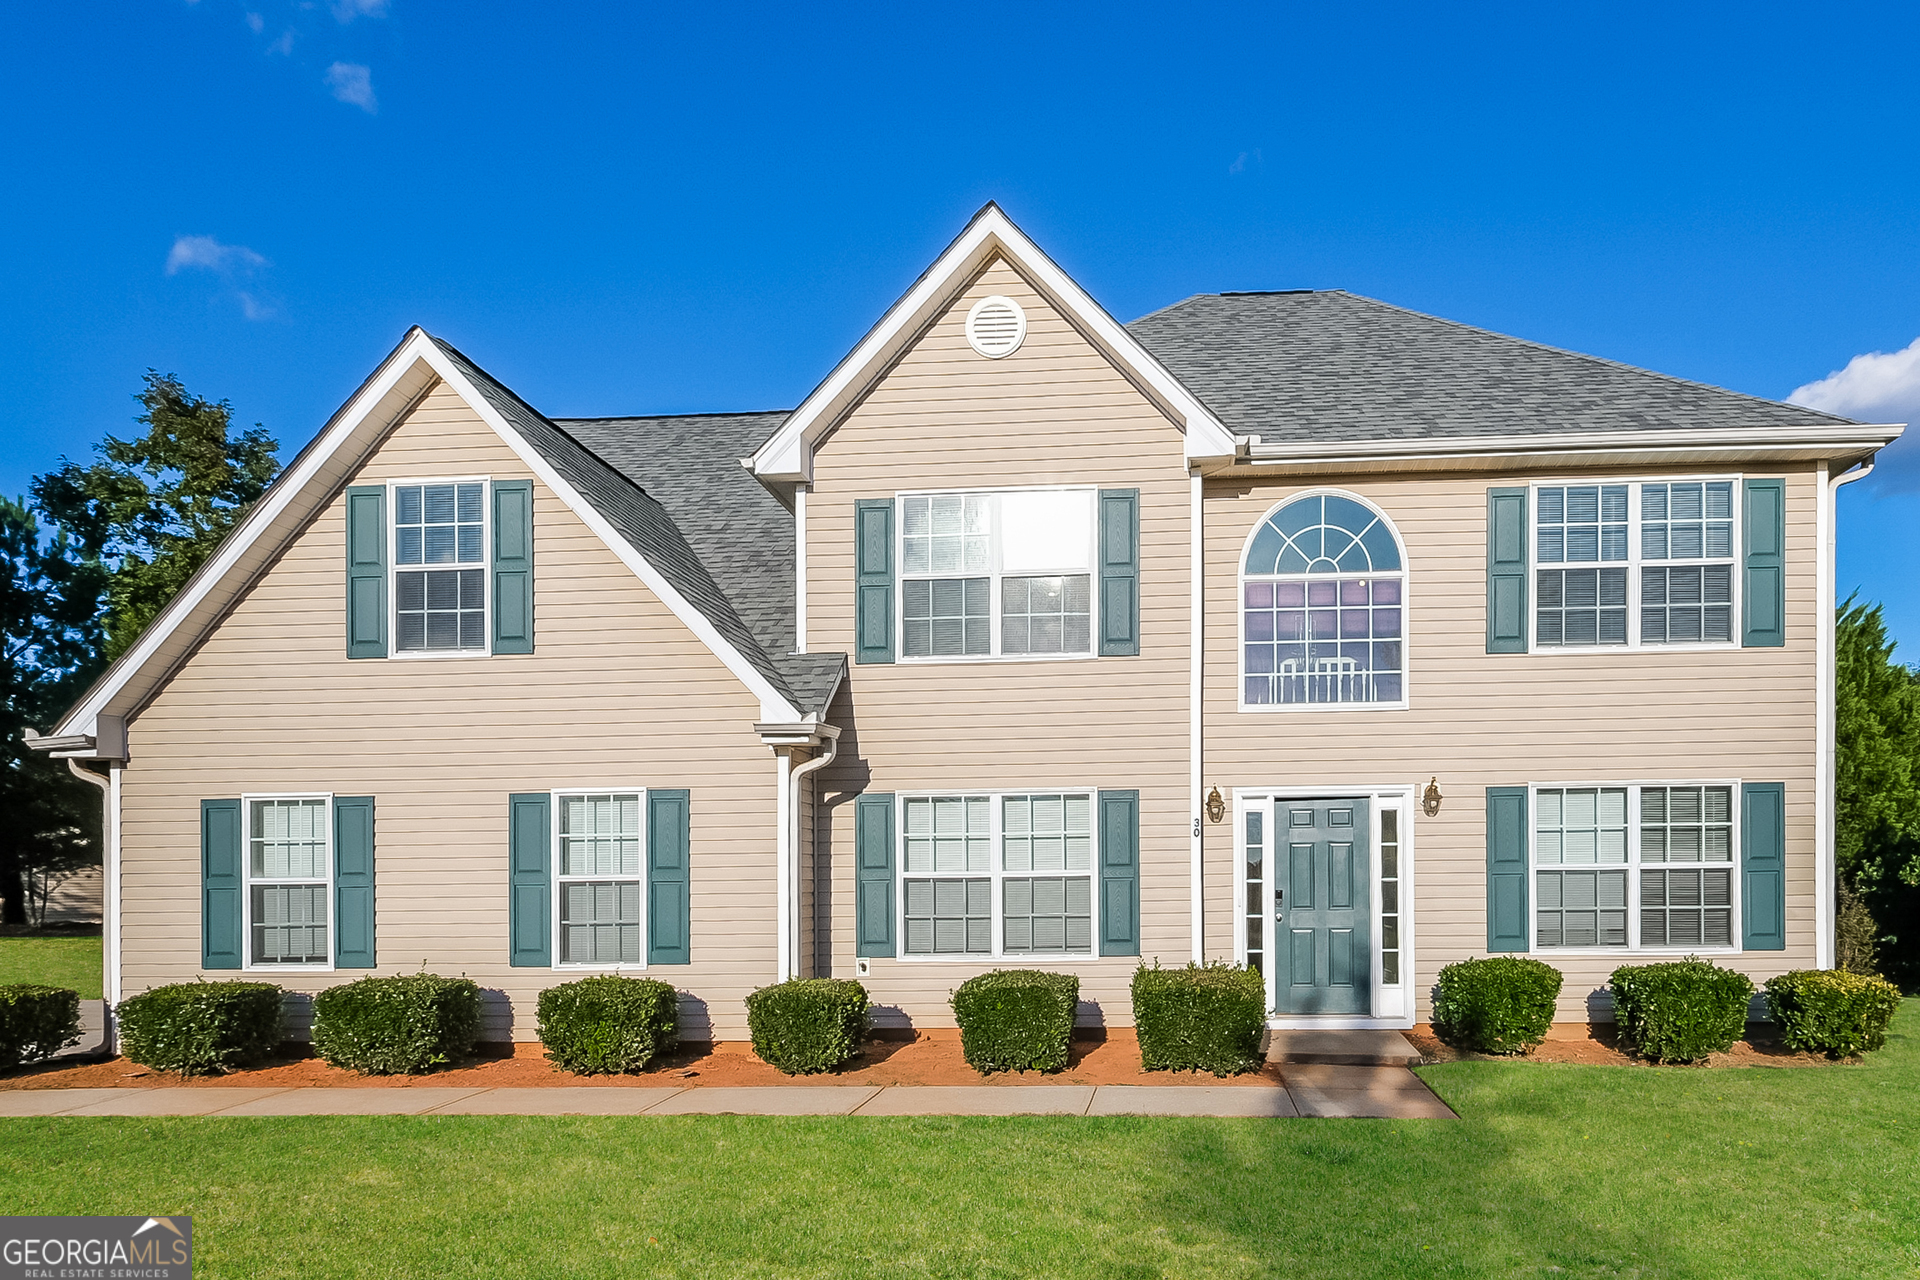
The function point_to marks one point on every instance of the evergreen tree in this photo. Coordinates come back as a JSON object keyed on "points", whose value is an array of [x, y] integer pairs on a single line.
{"points": [[1877, 784]]}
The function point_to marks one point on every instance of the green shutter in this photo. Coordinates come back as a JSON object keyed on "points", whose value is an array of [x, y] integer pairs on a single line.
{"points": [[1763, 588], [873, 883], [513, 566], [1506, 571], [1763, 866], [1119, 873], [220, 886], [669, 906], [353, 882], [1506, 868], [1119, 566], [529, 881], [367, 572], [873, 587]]}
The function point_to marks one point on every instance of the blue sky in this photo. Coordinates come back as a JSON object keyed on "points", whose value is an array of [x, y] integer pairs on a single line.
{"points": [[619, 208]]}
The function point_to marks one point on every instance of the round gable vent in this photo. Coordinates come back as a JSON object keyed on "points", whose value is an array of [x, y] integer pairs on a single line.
{"points": [[996, 327]]}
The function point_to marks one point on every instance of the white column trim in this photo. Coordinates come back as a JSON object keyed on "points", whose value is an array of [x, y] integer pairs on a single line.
{"points": [[800, 568], [783, 864], [1196, 663]]}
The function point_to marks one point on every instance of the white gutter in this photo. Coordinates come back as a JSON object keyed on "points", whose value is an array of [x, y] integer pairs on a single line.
{"points": [[1863, 436], [1825, 869], [110, 877], [797, 776], [1196, 664]]}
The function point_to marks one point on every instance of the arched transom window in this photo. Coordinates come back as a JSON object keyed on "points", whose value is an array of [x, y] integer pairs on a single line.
{"points": [[1324, 620]]}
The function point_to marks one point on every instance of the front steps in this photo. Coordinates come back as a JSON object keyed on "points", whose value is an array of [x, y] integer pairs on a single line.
{"points": [[1368, 1048]]}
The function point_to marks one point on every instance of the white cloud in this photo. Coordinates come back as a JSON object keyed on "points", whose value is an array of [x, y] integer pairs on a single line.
{"points": [[256, 23], [348, 10], [284, 44], [208, 254], [255, 308], [1880, 386], [353, 84]]}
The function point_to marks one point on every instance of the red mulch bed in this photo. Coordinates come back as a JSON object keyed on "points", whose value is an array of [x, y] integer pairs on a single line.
{"points": [[930, 1058], [1597, 1044]]}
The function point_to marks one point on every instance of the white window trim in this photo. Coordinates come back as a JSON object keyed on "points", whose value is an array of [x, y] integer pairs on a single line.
{"points": [[554, 798], [997, 875], [248, 964], [995, 576], [1392, 1006], [1633, 868], [1632, 564], [394, 569], [1240, 615]]}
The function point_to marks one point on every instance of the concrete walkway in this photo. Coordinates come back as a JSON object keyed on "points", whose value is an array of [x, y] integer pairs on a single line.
{"points": [[1386, 1092]]}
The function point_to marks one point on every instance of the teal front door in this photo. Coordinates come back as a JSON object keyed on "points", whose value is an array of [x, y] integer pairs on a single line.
{"points": [[1322, 911]]}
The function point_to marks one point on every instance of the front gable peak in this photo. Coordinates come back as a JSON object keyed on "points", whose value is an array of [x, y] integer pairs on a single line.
{"points": [[787, 457]]}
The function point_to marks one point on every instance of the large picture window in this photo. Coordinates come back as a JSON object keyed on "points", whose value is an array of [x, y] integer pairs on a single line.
{"points": [[1008, 874], [1323, 610], [440, 567], [1634, 564], [289, 881], [987, 575], [1634, 866]]}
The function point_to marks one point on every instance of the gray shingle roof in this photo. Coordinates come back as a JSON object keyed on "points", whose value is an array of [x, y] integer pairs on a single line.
{"points": [[648, 526], [1334, 366]]}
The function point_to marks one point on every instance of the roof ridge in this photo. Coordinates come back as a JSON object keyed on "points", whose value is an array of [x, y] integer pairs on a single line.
{"points": [[671, 417], [1674, 379]]}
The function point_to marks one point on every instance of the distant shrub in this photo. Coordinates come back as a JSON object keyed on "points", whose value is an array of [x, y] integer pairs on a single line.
{"points": [[1503, 1004], [1681, 1011], [808, 1025], [1826, 1011], [36, 1022], [608, 1024], [1200, 1018], [1016, 1020], [194, 1028], [396, 1026]]}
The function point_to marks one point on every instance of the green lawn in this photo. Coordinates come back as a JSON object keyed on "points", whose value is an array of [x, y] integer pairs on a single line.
{"points": [[58, 962], [1554, 1170]]}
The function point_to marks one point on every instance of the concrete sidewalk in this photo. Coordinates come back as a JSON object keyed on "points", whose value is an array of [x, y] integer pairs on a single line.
{"points": [[1384, 1092]]}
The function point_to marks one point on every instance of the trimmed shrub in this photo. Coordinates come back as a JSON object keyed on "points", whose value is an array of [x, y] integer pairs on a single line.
{"points": [[1503, 1004], [1200, 1018], [1681, 1011], [396, 1026], [1827, 1011], [194, 1028], [1016, 1020], [804, 1026], [608, 1024], [36, 1022]]}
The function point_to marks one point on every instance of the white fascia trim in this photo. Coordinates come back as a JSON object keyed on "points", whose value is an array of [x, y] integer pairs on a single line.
{"points": [[773, 704], [280, 495], [1839, 438], [788, 455], [417, 349]]}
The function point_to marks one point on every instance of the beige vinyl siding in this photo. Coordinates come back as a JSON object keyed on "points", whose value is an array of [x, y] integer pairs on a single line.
{"points": [[944, 417], [618, 693], [1479, 720]]}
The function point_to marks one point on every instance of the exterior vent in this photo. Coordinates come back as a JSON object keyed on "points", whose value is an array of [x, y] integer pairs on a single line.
{"points": [[996, 327]]}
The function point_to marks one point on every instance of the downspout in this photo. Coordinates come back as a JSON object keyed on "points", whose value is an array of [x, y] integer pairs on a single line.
{"points": [[1825, 870], [110, 880], [796, 775]]}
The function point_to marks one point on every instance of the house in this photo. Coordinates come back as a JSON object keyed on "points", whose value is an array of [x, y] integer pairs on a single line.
{"points": [[1294, 629]]}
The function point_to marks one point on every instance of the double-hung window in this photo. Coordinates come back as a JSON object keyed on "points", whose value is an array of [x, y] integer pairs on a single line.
{"points": [[1634, 564], [1634, 866], [440, 567], [600, 884], [289, 881], [998, 875], [986, 575]]}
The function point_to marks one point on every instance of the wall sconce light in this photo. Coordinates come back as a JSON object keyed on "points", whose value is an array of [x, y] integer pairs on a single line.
{"points": [[1216, 806], [1430, 799]]}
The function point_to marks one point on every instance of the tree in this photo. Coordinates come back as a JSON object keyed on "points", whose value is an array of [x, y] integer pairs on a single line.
{"points": [[49, 650], [154, 507], [1877, 783]]}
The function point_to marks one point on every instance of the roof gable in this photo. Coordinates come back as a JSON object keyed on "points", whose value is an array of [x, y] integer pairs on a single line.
{"points": [[632, 524], [788, 454]]}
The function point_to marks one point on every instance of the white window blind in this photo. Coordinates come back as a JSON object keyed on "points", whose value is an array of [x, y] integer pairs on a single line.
{"points": [[600, 878], [289, 884], [996, 574]]}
